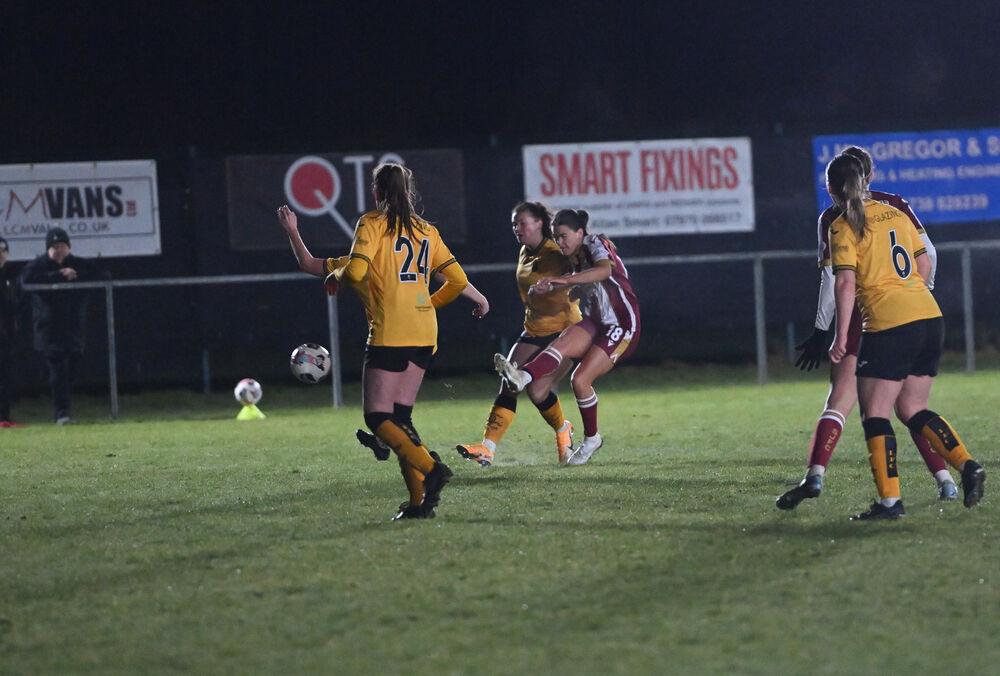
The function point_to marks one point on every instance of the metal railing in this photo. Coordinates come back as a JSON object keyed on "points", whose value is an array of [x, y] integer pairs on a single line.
{"points": [[109, 301], [756, 257]]}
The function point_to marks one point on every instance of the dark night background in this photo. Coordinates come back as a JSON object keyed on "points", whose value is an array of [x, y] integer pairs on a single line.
{"points": [[131, 78], [188, 84]]}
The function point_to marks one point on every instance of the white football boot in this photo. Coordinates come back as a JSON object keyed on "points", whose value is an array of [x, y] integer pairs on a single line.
{"points": [[564, 442], [514, 376], [586, 449]]}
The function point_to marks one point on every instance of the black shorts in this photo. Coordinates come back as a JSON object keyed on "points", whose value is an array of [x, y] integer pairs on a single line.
{"points": [[541, 342], [397, 359], [912, 349]]}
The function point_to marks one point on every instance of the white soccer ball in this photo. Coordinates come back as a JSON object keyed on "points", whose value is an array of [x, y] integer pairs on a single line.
{"points": [[310, 363], [248, 391]]}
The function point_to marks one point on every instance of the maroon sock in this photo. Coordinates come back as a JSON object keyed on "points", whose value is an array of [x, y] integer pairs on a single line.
{"points": [[588, 411], [825, 437], [935, 463], [545, 363]]}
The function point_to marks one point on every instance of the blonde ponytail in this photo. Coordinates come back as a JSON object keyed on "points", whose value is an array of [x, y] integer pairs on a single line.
{"points": [[854, 212], [845, 178]]}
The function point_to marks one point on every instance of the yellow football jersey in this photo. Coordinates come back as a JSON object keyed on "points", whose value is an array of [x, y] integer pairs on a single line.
{"points": [[545, 314], [890, 291], [395, 289]]}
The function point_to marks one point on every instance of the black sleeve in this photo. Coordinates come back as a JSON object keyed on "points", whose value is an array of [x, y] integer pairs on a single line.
{"points": [[87, 270], [35, 272]]}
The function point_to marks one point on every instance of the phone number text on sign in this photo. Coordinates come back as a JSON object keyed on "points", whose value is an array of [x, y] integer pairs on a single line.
{"points": [[946, 176]]}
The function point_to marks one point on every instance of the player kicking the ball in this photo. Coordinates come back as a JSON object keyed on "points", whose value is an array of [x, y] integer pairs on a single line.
{"points": [[607, 334], [545, 317]]}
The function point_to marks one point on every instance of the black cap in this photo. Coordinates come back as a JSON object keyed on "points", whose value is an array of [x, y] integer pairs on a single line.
{"points": [[56, 235]]}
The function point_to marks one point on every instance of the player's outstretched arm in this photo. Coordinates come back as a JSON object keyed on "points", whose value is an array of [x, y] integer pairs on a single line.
{"points": [[307, 262]]}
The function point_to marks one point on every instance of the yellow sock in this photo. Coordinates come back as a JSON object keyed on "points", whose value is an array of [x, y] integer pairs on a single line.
{"points": [[945, 441], [404, 446], [496, 426], [554, 415], [882, 456], [414, 480]]}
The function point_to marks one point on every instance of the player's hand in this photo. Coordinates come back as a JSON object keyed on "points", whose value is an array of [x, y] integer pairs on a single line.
{"points": [[331, 284], [813, 349], [545, 285], [539, 287], [838, 350], [289, 221], [482, 307]]}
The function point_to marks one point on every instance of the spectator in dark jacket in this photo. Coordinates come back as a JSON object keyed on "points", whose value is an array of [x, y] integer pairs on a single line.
{"points": [[59, 317], [8, 329]]}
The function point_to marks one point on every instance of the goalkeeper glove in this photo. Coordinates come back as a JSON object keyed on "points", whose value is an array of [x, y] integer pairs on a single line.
{"points": [[814, 349]]}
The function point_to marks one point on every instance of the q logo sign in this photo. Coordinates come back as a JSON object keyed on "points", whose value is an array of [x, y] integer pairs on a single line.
{"points": [[313, 186]]}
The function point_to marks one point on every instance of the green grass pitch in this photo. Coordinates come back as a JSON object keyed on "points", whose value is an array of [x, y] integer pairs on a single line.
{"points": [[178, 540]]}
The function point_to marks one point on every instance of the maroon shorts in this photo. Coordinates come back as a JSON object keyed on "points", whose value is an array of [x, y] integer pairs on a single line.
{"points": [[854, 333], [612, 339]]}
